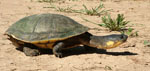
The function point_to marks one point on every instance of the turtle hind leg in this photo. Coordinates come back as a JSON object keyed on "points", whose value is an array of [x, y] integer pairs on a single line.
{"points": [[30, 51], [57, 50]]}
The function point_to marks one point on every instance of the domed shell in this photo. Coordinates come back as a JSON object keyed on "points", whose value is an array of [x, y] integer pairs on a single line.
{"points": [[42, 27]]}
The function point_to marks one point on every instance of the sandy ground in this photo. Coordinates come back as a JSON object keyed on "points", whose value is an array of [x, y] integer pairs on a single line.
{"points": [[131, 56]]}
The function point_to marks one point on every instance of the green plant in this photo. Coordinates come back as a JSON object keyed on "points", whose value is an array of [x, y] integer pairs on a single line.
{"points": [[107, 68], [66, 9], [117, 24], [130, 32], [147, 43], [94, 11]]}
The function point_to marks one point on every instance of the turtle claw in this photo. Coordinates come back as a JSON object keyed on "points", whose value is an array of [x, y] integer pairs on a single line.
{"points": [[57, 49], [59, 55], [31, 52]]}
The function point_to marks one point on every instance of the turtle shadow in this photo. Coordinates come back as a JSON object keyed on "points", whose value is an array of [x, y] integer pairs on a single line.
{"points": [[82, 50]]}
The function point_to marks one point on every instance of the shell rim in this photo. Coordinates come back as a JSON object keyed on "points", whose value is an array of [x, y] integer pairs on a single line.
{"points": [[51, 40]]}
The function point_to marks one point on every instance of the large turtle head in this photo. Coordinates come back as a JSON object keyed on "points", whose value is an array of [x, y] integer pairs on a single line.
{"points": [[109, 41]]}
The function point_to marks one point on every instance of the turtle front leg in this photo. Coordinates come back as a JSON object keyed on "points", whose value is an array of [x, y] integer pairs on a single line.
{"points": [[57, 49], [31, 51]]}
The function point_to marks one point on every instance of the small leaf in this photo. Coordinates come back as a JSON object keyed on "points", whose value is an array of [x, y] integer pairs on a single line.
{"points": [[103, 25], [147, 43]]}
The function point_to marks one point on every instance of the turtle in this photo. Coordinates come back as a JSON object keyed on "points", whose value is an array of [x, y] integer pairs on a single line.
{"points": [[56, 32]]}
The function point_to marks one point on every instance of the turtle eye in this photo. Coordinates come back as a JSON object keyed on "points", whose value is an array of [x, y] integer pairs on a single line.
{"points": [[124, 37]]}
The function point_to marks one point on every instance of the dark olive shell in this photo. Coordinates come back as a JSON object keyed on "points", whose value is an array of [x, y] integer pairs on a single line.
{"points": [[47, 26]]}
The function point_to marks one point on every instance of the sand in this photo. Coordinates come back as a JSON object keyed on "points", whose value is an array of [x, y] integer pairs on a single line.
{"points": [[133, 55]]}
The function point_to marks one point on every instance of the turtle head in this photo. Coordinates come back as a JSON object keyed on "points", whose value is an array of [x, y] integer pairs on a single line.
{"points": [[107, 42]]}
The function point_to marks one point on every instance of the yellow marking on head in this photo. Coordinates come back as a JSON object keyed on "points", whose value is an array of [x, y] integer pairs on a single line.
{"points": [[110, 43], [116, 44]]}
